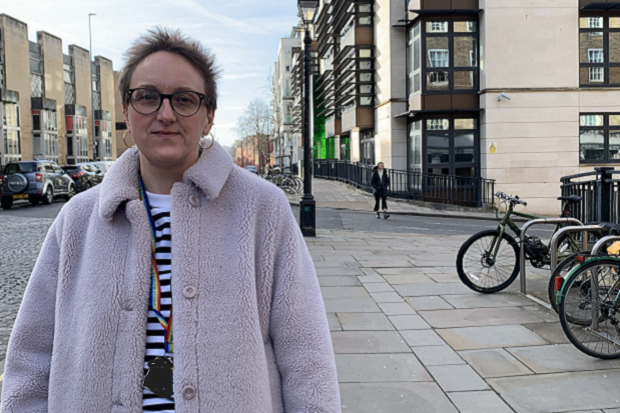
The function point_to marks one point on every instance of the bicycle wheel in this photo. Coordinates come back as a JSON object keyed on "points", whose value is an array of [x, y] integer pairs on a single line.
{"points": [[476, 270], [561, 270], [576, 304], [299, 183]]}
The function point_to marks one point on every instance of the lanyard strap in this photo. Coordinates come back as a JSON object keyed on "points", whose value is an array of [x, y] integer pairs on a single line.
{"points": [[155, 295]]}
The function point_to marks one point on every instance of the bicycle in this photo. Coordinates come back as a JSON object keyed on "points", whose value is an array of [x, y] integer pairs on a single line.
{"points": [[601, 338], [488, 262]]}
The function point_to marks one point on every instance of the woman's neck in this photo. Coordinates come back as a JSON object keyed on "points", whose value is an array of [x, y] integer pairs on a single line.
{"points": [[158, 180]]}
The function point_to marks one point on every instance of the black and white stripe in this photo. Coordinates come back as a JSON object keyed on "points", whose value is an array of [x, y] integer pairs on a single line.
{"points": [[154, 331]]}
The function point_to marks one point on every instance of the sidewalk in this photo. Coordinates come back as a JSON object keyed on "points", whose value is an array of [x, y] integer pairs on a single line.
{"points": [[408, 336], [336, 195]]}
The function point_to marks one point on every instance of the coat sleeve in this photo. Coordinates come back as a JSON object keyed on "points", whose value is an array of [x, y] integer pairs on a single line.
{"points": [[29, 352], [299, 329]]}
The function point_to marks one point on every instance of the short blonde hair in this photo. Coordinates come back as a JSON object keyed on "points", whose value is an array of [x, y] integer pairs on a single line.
{"points": [[173, 41]]}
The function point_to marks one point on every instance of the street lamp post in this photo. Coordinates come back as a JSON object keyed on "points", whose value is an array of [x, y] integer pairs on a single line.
{"points": [[307, 205], [92, 92]]}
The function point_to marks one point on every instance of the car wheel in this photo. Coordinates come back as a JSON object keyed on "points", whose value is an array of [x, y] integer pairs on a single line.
{"points": [[71, 193], [34, 200], [48, 198], [7, 203]]}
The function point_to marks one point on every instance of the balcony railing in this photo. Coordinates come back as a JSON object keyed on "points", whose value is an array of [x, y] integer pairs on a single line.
{"points": [[445, 189], [288, 118]]}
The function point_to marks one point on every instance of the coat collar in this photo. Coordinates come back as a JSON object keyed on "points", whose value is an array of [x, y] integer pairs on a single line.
{"points": [[209, 174]]}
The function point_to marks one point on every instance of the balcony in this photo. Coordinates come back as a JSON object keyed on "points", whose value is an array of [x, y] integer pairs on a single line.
{"points": [[287, 94], [288, 118]]}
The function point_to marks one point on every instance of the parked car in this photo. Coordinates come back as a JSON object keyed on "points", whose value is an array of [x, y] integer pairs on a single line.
{"points": [[36, 181], [103, 166], [252, 169], [84, 175]]}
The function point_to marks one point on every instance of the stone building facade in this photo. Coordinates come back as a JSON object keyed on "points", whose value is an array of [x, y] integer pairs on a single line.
{"points": [[46, 99], [520, 92]]}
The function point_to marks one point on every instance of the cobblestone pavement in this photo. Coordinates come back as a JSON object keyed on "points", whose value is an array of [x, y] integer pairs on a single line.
{"points": [[20, 243]]}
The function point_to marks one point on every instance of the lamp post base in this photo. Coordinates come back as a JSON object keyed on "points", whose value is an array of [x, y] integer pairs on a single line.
{"points": [[307, 216]]}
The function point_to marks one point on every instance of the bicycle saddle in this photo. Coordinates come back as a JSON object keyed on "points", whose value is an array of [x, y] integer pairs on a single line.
{"points": [[570, 198]]}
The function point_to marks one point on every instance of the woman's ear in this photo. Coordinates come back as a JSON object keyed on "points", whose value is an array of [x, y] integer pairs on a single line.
{"points": [[210, 117], [126, 115]]}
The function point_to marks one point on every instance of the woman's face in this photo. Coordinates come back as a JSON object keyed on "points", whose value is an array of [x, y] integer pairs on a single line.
{"points": [[380, 165], [165, 138]]}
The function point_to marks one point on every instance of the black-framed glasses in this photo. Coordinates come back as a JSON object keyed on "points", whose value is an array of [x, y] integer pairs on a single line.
{"points": [[147, 101]]}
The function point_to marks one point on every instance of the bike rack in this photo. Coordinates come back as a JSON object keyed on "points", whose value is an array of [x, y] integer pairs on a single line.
{"points": [[594, 282], [554, 241], [526, 226]]}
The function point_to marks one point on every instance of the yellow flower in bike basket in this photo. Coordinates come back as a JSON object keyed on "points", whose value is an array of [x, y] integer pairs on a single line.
{"points": [[614, 248]]}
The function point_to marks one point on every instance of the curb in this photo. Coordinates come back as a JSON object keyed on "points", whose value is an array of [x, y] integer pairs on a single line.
{"points": [[425, 214]]}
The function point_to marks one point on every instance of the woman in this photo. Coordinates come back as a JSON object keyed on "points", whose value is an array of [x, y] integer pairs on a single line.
{"points": [[181, 283], [380, 182]]}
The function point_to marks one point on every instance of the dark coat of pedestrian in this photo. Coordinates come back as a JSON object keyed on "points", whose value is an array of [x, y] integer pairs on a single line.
{"points": [[381, 183]]}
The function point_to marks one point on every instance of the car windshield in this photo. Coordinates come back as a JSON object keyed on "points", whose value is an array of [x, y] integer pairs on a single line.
{"points": [[22, 168]]}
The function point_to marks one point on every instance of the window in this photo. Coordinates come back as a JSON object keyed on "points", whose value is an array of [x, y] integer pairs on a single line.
{"points": [[451, 56], [599, 138], [451, 146], [599, 51], [413, 61], [414, 153], [36, 122]]}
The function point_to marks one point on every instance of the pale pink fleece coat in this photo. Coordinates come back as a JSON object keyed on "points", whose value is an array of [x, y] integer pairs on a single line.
{"points": [[253, 339]]}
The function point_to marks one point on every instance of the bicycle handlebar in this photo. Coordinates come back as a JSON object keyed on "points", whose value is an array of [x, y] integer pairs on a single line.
{"points": [[512, 200]]}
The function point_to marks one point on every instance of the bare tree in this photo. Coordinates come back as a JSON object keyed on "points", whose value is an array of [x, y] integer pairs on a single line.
{"points": [[254, 126]]}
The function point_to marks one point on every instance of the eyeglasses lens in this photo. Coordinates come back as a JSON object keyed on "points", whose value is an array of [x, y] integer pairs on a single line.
{"points": [[147, 101]]}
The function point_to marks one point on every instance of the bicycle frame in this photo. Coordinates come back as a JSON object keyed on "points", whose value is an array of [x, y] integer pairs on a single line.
{"points": [[507, 221]]}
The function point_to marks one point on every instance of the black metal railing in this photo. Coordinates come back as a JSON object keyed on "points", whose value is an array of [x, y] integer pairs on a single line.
{"points": [[598, 190], [446, 189]]}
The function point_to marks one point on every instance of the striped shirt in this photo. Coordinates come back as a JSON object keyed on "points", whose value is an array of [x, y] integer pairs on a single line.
{"points": [[160, 210]]}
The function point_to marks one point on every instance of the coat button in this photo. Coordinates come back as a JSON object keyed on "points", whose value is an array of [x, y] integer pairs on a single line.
{"points": [[194, 200], [189, 292], [188, 392]]}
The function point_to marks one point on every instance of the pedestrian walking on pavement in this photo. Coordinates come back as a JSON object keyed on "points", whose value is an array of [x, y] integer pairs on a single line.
{"points": [[174, 225], [380, 182]]}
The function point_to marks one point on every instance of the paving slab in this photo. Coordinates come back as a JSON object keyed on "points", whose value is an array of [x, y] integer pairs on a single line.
{"points": [[385, 263], [479, 317], [390, 297], [394, 398], [428, 303], [334, 323], [349, 342], [409, 279], [344, 292], [495, 362], [419, 290], [396, 308], [364, 321], [563, 392], [368, 368], [559, 358], [421, 338], [479, 402], [487, 300], [351, 305], [378, 287], [330, 264], [445, 278], [473, 338], [405, 271], [457, 378], [409, 322], [338, 271], [370, 279], [437, 355], [552, 332], [338, 281]]}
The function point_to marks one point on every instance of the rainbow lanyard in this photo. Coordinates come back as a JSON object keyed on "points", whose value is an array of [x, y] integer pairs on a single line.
{"points": [[155, 296]]}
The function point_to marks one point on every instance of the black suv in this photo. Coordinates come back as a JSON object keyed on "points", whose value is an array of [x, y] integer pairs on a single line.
{"points": [[35, 181], [84, 175]]}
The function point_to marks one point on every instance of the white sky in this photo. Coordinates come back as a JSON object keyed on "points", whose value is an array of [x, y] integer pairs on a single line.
{"points": [[243, 34]]}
